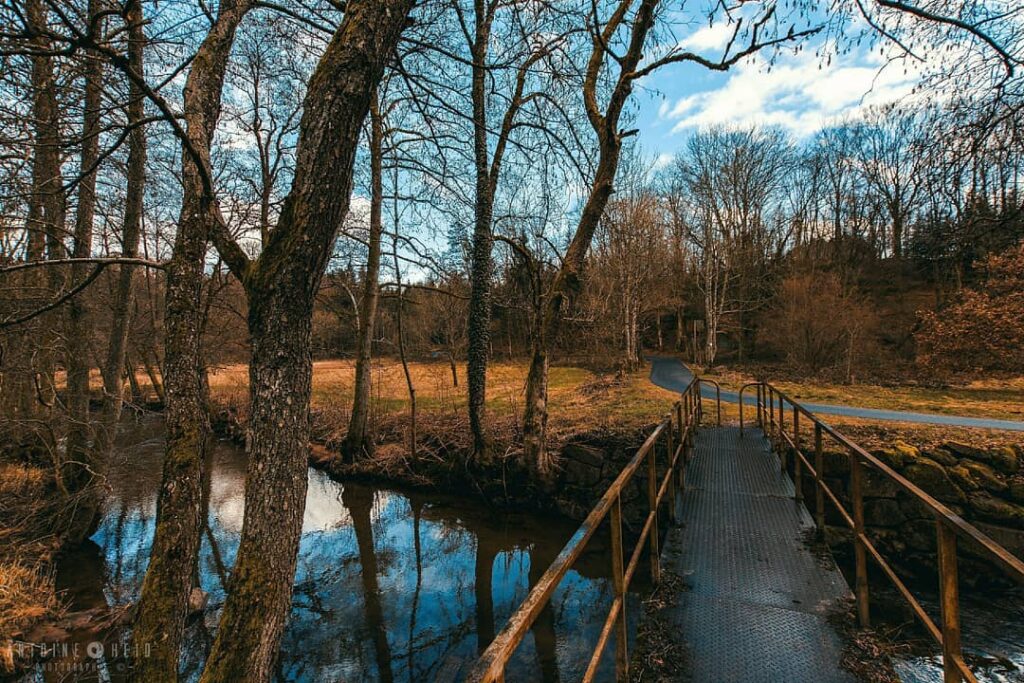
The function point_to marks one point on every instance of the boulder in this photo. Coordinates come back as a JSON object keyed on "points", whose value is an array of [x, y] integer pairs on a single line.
{"points": [[1004, 459], [894, 457], [834, 463], [962, 450], [984, 476], [582, 464], [941, 456], [920, 535], [996, 510], [1017, 491], [933, 479], [883, 512], [963, 478], [879, 485], [905, 449]]}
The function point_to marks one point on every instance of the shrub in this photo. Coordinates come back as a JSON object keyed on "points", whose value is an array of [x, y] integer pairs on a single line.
{"points": [[819, 323], [984, 329]]}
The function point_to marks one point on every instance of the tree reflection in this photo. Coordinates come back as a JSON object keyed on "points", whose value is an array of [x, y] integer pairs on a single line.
{"points": [[541, 557], [359, 501]]}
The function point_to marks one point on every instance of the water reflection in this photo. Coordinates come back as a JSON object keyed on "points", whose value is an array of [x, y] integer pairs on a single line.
{"points": [[389, 586]]}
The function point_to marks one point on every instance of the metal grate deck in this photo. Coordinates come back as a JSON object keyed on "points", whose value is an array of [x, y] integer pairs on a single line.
{"points": [[758, 599]]}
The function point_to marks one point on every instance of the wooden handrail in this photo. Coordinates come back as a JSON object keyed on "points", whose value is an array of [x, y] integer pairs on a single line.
{"points": [[948, 524], [718, 397], [678, 434]]}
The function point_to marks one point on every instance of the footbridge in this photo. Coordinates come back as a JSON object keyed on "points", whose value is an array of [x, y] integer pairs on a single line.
{"points": [[752, 599]]}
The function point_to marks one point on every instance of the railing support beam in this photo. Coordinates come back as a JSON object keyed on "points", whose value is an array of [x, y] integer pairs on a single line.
{"points": [[652, 496], [798, 481], [670, 442], [860, 552], [619, 585], [819, 475], [949, 592]]}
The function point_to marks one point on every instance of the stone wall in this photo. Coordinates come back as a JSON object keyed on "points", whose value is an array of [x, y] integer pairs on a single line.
{"points": [[590, 463], [985, 486]]}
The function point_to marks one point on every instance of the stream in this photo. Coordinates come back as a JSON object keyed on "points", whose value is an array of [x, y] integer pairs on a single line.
{"points": [[390, 586]]}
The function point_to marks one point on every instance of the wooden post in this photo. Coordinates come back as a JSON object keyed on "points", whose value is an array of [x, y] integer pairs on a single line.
{"points": [[652, 496], [819, 494], [782, 431], [760, 406], [771, 414], [949, 593], [619, 585], [798, 481], [679, 419], [860, 553], [672, 464]]}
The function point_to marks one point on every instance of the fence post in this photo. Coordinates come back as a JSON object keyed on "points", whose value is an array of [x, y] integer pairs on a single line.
{"points": [[798, 481], [949, 592], [760, 406], [679, 419], [672, 464], [619, 585], [782, 432], [652, 496], [860, 553], [819, 494]]}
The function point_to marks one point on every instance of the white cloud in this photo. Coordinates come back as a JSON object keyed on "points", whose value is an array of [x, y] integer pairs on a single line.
{"points": [[713, 37], [800, 93], [662, 160]]}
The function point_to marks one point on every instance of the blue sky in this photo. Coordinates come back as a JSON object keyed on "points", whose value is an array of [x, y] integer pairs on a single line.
{"points": [[800, 93]]}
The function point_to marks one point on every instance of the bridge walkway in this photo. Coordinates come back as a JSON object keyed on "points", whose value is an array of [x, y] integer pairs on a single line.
{"points": [[757, 598]]}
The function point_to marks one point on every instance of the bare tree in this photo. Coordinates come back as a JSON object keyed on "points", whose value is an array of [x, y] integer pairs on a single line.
{"points": [[357, 440]]}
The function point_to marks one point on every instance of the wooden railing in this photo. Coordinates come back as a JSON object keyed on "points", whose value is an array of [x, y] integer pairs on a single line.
{"points": [[676, 429], [771, 417]]}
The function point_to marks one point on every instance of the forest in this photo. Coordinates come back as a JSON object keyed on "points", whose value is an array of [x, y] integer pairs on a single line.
{"points": [[433, 243]]}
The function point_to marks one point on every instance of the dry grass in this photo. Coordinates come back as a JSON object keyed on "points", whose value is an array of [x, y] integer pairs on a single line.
{"points": [[582, 400], [579, 399], [27, 591]]}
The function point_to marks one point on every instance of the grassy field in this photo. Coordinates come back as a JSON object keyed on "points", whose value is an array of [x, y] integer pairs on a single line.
{"points": [[579, 399]]}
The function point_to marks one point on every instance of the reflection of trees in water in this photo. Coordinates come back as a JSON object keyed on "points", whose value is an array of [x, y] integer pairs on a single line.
{"points": [[389, 586], [359, 501], [486, 550], [541, 557]]}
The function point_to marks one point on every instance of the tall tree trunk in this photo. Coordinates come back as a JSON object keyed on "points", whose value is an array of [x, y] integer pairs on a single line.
{"points": [[113, 368], [566, 283], [481, 265], [357, 441], [77, 344], [28, 358], [400, 318], [168, 582], [80, 429], [51, 186], [281, 287], [567, 279]]}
